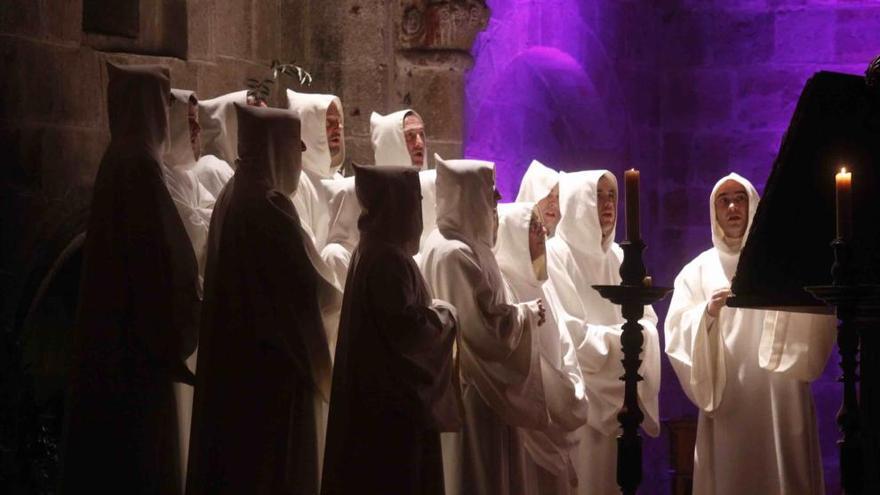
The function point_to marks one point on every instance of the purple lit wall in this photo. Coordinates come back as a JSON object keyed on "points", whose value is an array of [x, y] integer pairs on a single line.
{"points": [[685, 90]]}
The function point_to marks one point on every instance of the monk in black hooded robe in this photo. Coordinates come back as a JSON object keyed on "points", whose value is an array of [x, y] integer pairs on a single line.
{"points": [[137, 318], [263, 357], [395, 387]]}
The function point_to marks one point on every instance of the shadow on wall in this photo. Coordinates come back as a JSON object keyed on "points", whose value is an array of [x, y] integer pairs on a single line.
{"points": [[543, 106]]}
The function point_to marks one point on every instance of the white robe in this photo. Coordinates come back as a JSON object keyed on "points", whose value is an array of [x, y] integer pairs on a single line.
{"points": [[748, 371], [547, 463], [577, 259], [500, 375], [318, 164], [343, 234], [194, 204], [389, 148]]}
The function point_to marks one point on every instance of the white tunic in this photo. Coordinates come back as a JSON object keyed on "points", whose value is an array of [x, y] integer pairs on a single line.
{"points": [[547, 464], [500, 375], [748, 371], [578, 258]]}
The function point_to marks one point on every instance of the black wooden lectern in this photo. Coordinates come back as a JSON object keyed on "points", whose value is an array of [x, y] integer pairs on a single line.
{"points": [[787, 261]]}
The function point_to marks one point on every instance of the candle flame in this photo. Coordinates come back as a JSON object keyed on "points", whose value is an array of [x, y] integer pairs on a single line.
{"points": [[843, 170]]}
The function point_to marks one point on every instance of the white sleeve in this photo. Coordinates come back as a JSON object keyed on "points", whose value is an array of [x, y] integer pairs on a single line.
{"points": [[693, 345], [496, 342], [796, 345]]}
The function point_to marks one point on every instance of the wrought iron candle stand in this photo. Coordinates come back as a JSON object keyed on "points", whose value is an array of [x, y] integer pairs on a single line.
{"points": [[631, 295], [857, 306]]}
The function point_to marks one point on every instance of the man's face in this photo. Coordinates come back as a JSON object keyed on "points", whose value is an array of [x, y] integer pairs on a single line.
{"points": [[732, 208], [195, 130], [549, 209], [334, 129], [537, 236], [414, 132], [606, 203]]}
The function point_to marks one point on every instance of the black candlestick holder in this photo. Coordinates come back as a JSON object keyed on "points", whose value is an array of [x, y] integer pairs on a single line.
{"points": [[632, 295], [856, 306]]}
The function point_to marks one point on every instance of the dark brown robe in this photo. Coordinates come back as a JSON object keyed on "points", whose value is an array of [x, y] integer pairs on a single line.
{"points": [[395, 385], [137, 318], [263, 356]]}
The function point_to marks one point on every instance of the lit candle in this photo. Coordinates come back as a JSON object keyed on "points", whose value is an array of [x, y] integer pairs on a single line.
{"points": [[844, 203], [631, 180]]}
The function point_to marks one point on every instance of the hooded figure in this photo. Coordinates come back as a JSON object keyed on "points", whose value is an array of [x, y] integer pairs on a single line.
{"points": [[394, 382], [194, 204], [540, 185], [318, 161], [264, 365], [137, 319], [501, 384], [342, 236], [219, 140], [748, 372], [547, 458], [390, 148], [577, 258]]}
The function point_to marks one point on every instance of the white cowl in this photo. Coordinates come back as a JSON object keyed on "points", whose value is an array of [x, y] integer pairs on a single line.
{"points": [[219, 140], [537, 182]]}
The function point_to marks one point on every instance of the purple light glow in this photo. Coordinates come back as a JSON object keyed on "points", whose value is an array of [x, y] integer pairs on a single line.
{"points": [[684, 90]]}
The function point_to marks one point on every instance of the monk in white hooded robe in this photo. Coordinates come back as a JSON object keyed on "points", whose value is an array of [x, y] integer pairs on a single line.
{"points": [[748, 371], [395, 385], [342, 234], [194, 204], [540, 185], [264, 366], [219, 138], [582, 254], [500, 366], [137, 318], [521, 257], [322, 121], [399, 139]]}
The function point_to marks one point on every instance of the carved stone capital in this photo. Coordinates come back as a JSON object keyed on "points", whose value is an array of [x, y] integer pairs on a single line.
{"points": [[441, 24]]}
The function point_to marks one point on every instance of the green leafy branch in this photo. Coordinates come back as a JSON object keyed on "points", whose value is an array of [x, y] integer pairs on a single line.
{"points": [[259, 89]]}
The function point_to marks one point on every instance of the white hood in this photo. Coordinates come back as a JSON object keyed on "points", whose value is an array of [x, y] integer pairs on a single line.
{"points": [[220, 127], [579, 227], [193, 202], [537, 182], [311, 108], [512, 248], [180, 153], [389, 140], [465, 201], [730, 256]]}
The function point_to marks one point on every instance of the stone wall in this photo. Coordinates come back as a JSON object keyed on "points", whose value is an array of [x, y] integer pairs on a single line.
{"points": [[53, 119]]}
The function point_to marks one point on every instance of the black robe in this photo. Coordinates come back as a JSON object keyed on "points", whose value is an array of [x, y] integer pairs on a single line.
{"points": [[263, 351], [137, 318], [395, 385]]}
